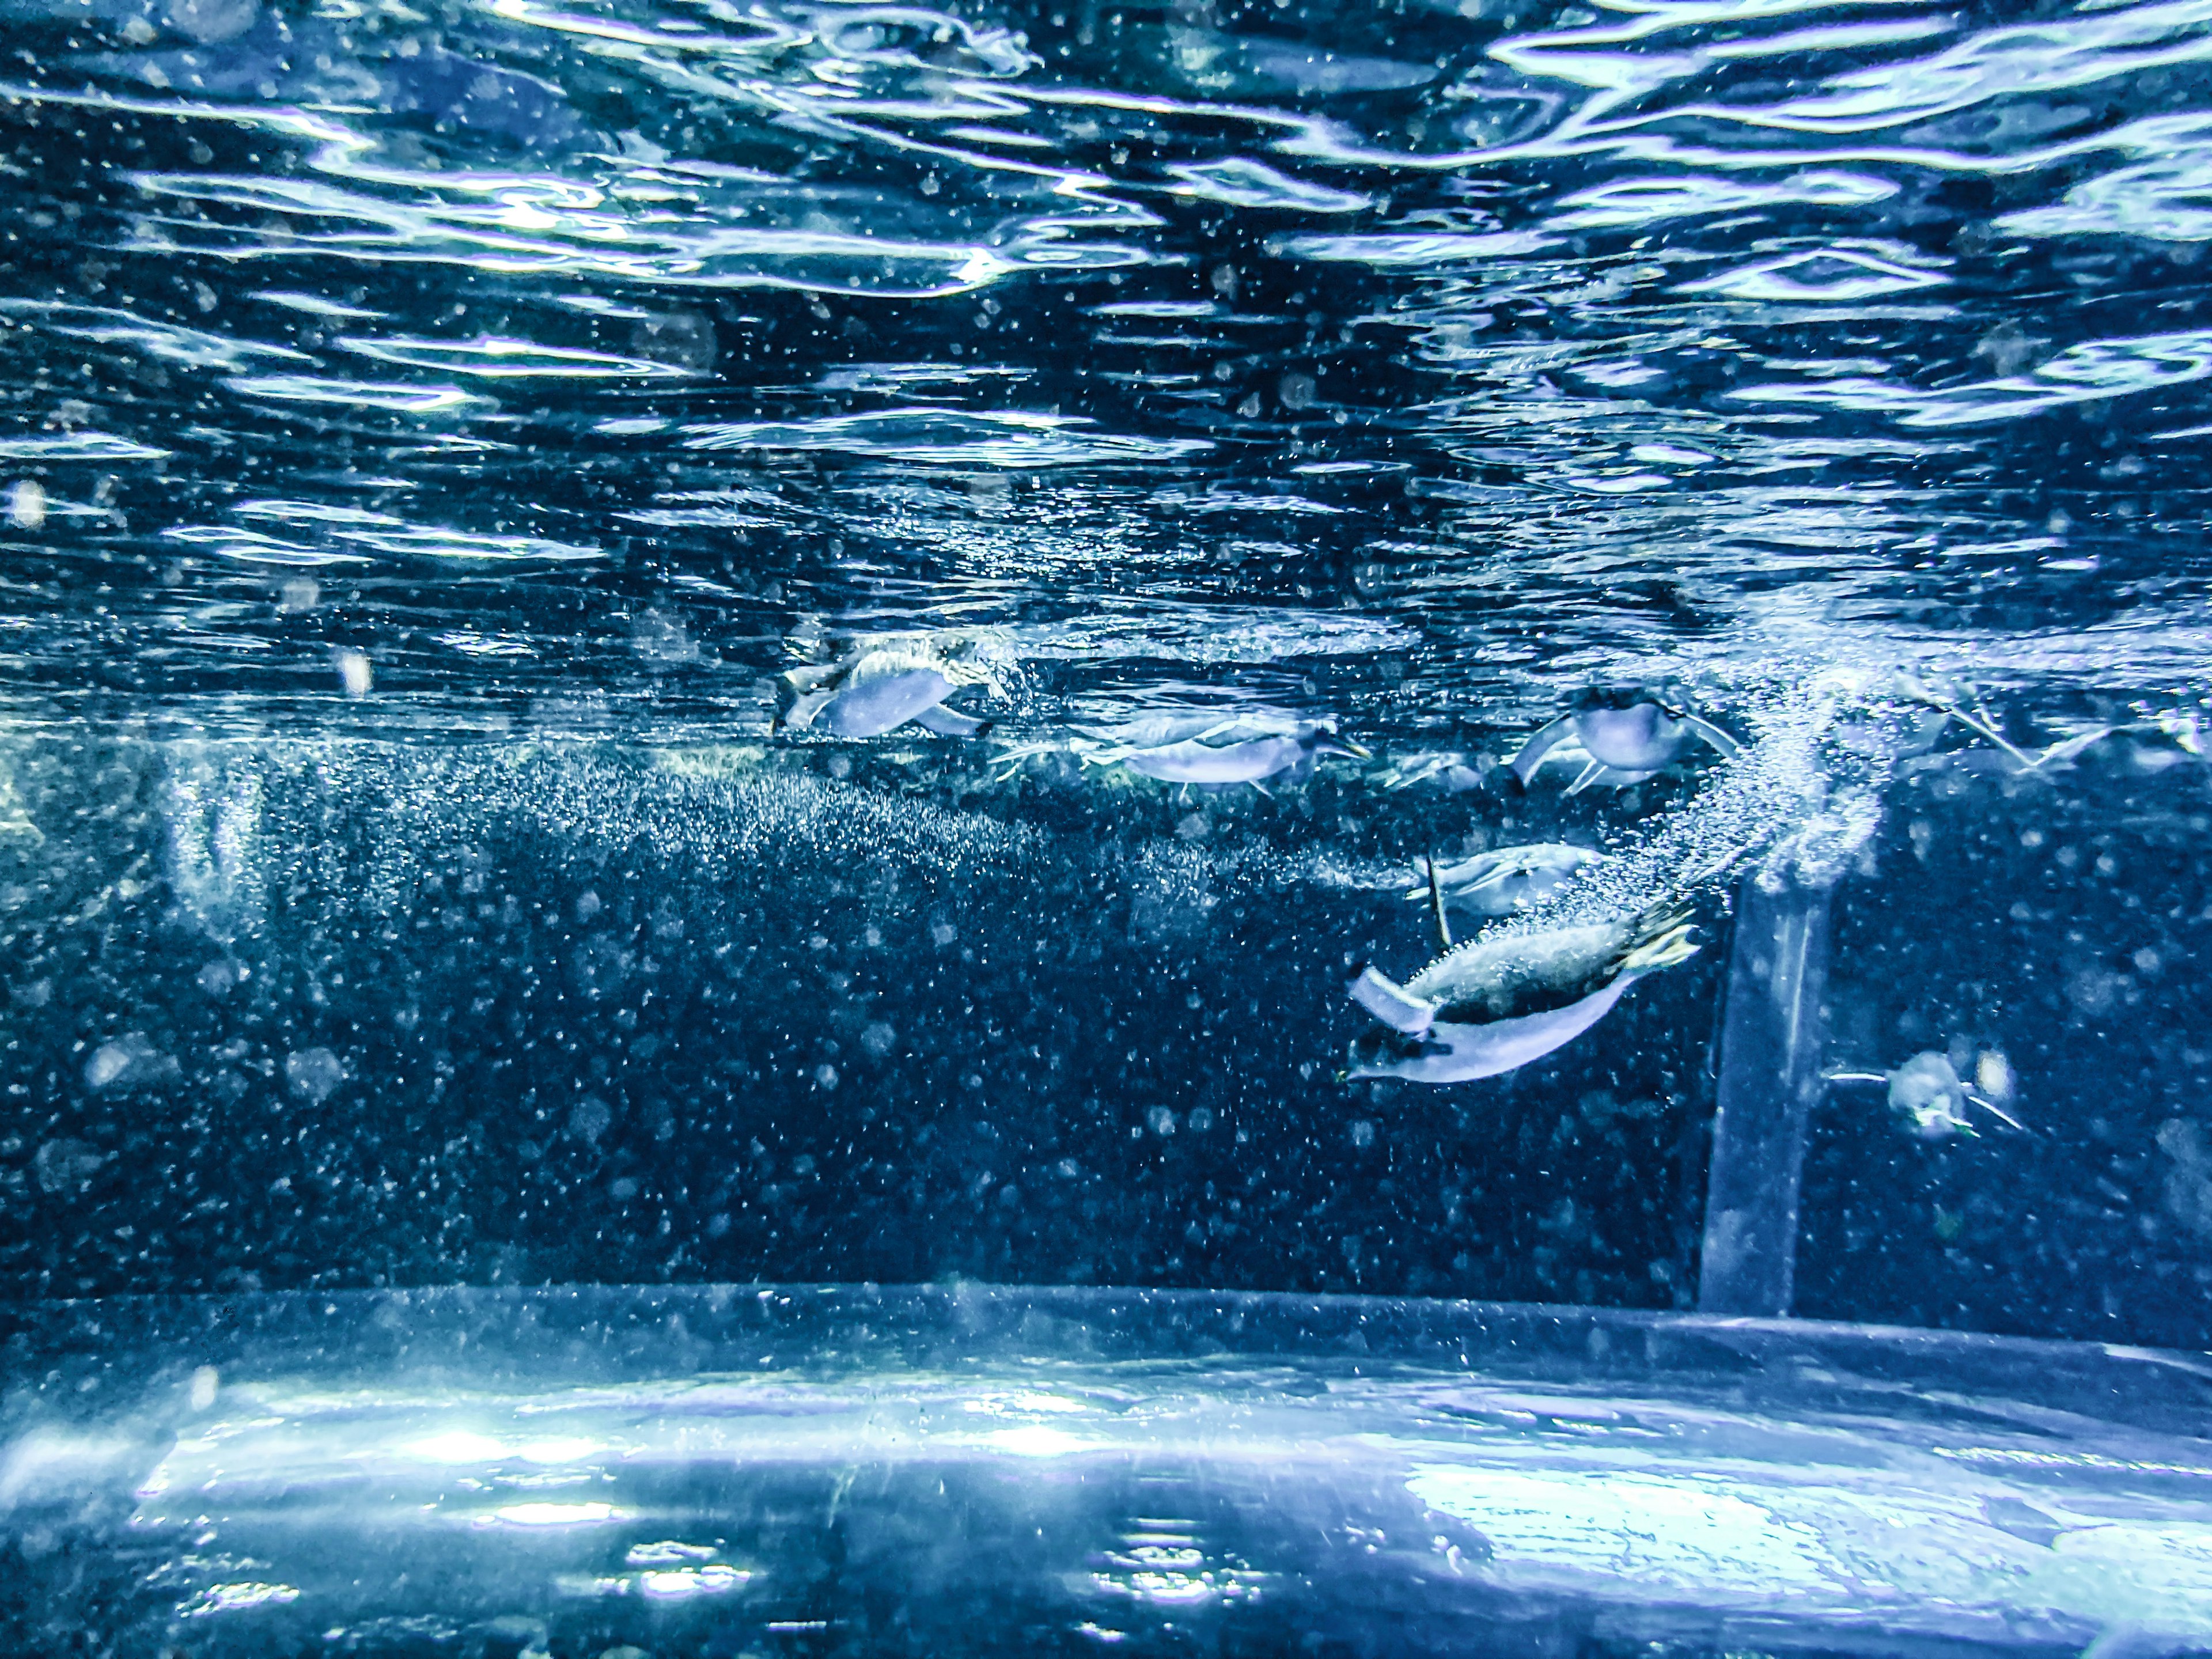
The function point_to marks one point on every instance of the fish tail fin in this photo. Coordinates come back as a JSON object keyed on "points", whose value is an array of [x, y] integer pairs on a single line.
{"points": [[1659, 938]]}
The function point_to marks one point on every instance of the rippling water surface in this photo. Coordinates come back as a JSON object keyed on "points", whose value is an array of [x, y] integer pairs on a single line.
{"points": [[1408, 363]]}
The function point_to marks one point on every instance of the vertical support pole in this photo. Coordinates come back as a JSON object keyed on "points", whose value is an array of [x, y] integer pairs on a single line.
{"points": [[1772, 1039]]}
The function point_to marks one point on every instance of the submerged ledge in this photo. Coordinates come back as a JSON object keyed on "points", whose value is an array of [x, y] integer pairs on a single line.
{"points": [[131, 1347], [974, 1468]]}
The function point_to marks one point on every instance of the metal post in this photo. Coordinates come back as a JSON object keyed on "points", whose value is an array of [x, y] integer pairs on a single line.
{"points": [[1772, 1038]]}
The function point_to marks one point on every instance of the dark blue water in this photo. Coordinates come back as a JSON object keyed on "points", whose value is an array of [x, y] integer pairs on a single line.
{"points": [[453, 457]]}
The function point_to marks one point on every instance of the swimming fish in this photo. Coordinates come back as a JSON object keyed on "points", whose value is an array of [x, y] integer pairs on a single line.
{"points": [[881, 684], [1927, 1091], [1217, 750], [1494, 1005], [1509, 878], [1629, 736]]}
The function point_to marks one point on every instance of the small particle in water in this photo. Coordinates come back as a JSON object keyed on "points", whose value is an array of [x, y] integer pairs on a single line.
{"points": [[660, 638], [589, 1118], [205, 1381], [1161, 1120], [825, 1076], [355, 674], [27, 504], [300, 593], [314, 1074], [1363, 1132], [130, 1062], [877, 1037], [1993, 1075], [59, 1165]]}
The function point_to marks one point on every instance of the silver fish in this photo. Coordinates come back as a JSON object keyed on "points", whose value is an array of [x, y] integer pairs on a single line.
{"points": [[1628, 738], [1493, 1006], [1509, 878], [881, 685], [1927, 1091], [1239, 748]]}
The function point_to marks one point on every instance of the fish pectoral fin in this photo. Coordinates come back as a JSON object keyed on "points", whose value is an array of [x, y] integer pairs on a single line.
{"points": [[1391, 1003], [1541, 742], [950, 723], [1726, 746]]}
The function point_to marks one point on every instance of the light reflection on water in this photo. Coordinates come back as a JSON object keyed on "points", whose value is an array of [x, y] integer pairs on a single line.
{"points": [[1142, 1470]]}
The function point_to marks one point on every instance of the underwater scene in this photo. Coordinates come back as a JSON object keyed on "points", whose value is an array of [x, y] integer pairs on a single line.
{"points": [[1329, 827]]}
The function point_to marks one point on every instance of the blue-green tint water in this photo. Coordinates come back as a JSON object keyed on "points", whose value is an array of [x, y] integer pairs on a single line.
{"points": [[723, 642]]}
